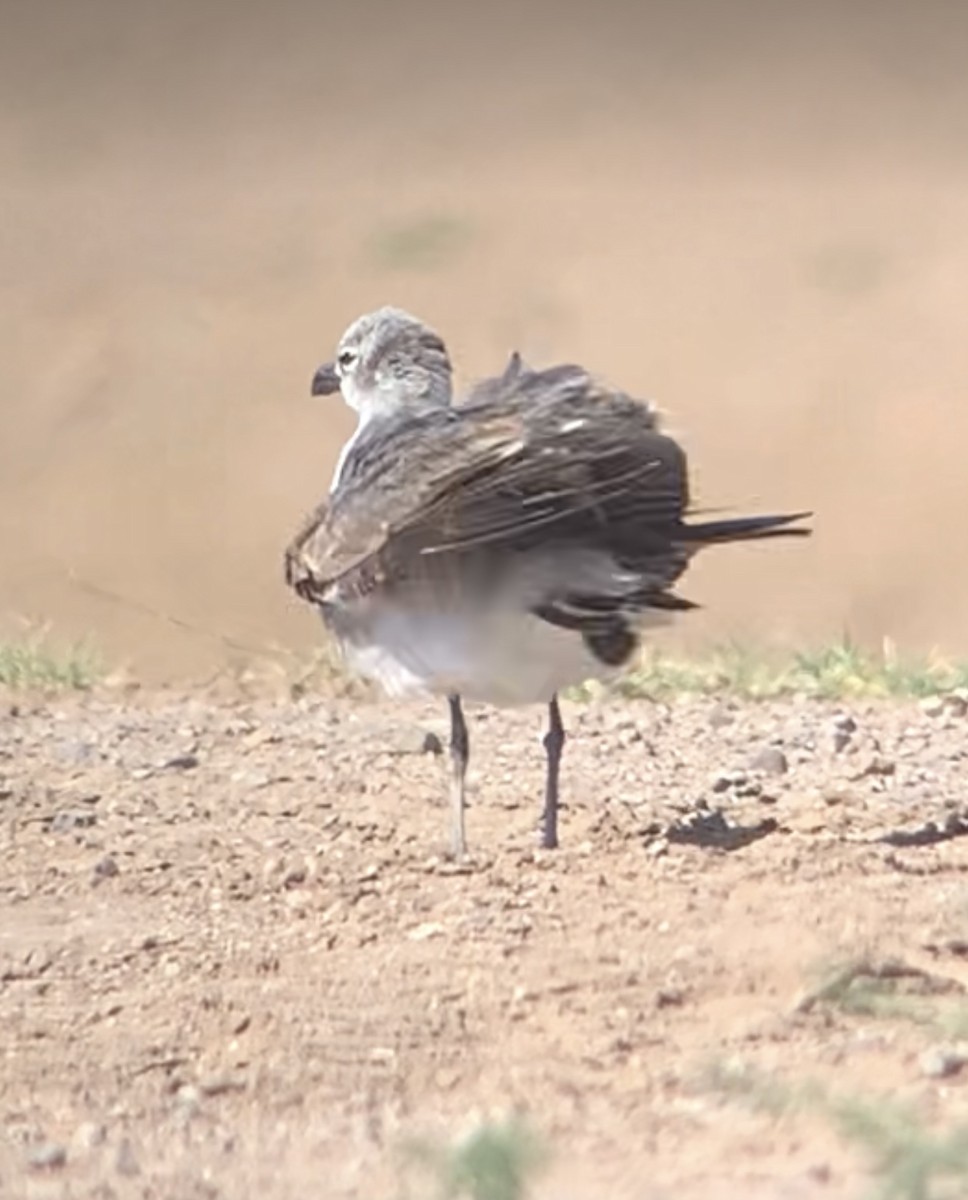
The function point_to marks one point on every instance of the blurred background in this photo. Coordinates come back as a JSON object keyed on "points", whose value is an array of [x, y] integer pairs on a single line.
{"points": [[755, 214]]}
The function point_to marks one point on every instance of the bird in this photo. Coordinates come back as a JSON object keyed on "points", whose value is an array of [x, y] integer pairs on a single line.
{"points": [[501, 548]]}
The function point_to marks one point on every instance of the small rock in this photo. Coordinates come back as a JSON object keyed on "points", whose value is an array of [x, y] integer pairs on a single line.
{"points": [[836, 794], [877, 765], [105, 868], [810, 821], [88, 1135], [182, 762], [48, 1156], [932, 706], [845, 722], [72, 818], [941, 1062], [429, 929], [771, 761], [125, 1162], [727, 779], [841, 740], [189, 1097], [721, 716], [819, 1173], [219, 1085]]}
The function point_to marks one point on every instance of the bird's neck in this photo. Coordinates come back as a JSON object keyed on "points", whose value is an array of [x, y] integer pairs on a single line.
{"points": [[372, 411]]}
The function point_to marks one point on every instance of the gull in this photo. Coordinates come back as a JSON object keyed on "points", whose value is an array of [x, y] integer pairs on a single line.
{"points": [[500, 549]]}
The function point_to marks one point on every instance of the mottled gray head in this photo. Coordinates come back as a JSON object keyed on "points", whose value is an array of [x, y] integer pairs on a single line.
{"points": [[385, 360]]}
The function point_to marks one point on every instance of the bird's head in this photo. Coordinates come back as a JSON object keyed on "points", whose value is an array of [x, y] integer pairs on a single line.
{"points": [[387, 360]]}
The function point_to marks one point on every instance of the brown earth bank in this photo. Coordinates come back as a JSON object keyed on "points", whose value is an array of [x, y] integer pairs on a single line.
{"points": [[235, 961], [752, 213]]}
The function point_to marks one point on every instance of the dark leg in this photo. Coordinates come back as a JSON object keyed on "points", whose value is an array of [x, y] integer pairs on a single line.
{"points": [[459, 754], [554, 741]]}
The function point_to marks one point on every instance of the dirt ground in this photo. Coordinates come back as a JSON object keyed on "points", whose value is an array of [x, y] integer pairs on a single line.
{"points": [[233, 961], [236, 961]]}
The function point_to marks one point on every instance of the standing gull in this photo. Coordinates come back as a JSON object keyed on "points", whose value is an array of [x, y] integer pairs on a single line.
{"points": [[501, 549]]}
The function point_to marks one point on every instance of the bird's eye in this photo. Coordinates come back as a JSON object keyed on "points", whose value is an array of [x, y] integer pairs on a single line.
{"points": [[347, 358]]}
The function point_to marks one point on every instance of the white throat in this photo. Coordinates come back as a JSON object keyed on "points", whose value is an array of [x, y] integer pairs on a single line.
{"points": [[364, 417]]}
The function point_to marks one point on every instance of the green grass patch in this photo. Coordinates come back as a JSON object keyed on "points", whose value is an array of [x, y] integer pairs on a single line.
{"points": [[891, 990], [494, 1160], [906, 1157], [35, 660], [421, 243], [841, 670]]}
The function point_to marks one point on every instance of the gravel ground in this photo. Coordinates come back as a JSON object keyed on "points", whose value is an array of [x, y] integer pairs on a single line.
{"points": [[236, 962]]}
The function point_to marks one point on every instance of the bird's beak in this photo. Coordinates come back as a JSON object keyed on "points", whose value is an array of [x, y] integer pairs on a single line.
{"points": [[326, 381]]}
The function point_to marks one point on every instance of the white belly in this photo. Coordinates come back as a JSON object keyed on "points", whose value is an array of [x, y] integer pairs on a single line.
{"points": [[498, 657]]}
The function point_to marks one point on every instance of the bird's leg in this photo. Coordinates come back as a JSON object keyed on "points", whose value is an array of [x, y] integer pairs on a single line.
{"points": [[459, 754], [554, 741]]}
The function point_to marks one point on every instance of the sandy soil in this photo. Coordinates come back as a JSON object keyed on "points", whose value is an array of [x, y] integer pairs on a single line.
{"points": [[236, 962]]}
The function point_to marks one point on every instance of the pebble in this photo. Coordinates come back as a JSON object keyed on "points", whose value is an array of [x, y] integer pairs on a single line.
{"points": [[72, 818], [727, 779], [219, 1085], [106, 868], [878, 765], [721, 716], [189, 1098], [125, 1162], [88, 1135], [47, 1156], [430, 929], [841, 740], [770, 760], [941, 1062], [182, 762]]}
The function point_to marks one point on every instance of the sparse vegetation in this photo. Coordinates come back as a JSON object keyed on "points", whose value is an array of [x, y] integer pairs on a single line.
{"points": [[34, 660], [891, 990], [848, 268], [421, 243], [494, 1160], [907, 1159], [842, 670]]}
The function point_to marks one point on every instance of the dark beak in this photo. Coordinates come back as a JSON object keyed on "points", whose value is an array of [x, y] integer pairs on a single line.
{"points": [[326, 381]]}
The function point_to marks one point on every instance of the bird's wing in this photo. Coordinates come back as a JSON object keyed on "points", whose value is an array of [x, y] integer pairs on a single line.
{"points": [[591, 464], [389, 483], [537, 457]]}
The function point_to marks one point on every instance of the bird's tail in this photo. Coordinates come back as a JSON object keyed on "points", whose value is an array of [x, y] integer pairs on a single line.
{"points": [[745, 529]]}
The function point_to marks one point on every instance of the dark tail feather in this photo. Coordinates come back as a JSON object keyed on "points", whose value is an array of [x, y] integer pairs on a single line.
{"points": [[745, 529]]}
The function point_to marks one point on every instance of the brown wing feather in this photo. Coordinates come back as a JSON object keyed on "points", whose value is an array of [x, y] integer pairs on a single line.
{"points": [[385, 487], [530, 457]]}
